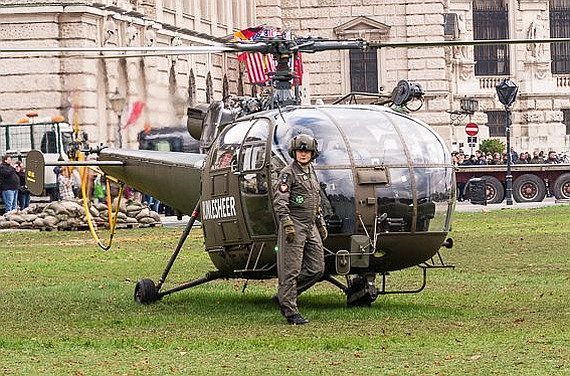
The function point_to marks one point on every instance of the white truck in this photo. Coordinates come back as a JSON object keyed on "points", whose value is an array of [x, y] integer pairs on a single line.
{"points": [[52, 136]]}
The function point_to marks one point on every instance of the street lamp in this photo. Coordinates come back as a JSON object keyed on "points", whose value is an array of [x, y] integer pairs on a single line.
{"points": [[118, 104], [507, 91]]}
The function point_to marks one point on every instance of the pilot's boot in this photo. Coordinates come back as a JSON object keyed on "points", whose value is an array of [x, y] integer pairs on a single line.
{"points": [[297, 319]]}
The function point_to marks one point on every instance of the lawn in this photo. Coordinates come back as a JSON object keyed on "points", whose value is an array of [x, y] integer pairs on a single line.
{"points": [[67, 309]]}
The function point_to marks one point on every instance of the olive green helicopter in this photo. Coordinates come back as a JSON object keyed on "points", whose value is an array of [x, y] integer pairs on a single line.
{"points": [[387, 179]]}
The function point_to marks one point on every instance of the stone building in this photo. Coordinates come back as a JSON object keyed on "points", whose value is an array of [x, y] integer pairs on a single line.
{"points": [[165, 85], [77, 87]]}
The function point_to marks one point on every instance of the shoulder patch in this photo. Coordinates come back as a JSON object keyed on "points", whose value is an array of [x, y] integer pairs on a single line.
{"points": [[283, 187], [284, 178]]}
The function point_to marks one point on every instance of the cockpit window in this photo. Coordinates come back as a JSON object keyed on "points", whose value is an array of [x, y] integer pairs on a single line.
{"points": [[424, 145], [228, 144], [252, 155], [373, 138], [332, 148]]}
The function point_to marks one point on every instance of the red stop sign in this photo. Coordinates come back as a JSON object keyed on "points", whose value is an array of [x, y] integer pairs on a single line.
{"points": [[471, 129]]}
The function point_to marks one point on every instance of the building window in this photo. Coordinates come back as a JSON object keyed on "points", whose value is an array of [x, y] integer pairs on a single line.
{"points": [[205, 9], [169, 4], [560, 28], [566, 119], [363, 71], [490, 21], [235, 14], [187, 6], [221, 12], [496, 123]]}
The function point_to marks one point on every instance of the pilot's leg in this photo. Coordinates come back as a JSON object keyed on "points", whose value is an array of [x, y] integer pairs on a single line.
{"points": [[313, 265], [289, 259]]}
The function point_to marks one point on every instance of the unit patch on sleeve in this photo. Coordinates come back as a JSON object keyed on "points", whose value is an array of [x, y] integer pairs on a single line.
{"points": [[283, 187]]}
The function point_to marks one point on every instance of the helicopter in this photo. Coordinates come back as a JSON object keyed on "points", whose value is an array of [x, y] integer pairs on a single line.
{"points": [[387, 180]]}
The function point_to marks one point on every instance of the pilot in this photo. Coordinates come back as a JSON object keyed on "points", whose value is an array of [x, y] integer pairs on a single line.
{"points": [[300, 257]]}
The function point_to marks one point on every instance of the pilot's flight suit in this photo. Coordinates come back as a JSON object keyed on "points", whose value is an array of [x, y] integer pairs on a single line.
{"points": [[300, 264]]}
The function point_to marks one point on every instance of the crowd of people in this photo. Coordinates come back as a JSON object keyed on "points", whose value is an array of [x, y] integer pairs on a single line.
{"points": [[480, 158], [15, 192]]}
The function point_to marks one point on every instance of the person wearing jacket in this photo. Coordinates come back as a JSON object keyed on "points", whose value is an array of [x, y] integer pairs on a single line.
{"points": [[9, 184], [302, 229]]}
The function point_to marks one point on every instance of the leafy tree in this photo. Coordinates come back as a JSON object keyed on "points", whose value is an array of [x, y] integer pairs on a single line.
{"points": [[492, 145]]}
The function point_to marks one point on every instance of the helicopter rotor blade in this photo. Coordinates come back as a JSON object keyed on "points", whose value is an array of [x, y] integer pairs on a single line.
{"points": [[451, 43], [273, 45]]}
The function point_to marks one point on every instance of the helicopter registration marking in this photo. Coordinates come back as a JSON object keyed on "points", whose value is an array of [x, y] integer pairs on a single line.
{"points": [[219, 208]]}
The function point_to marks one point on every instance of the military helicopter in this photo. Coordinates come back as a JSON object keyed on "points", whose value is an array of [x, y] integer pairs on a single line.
{"points": [[387, 180]]}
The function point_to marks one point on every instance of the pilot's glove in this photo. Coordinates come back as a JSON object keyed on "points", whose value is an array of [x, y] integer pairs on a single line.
{"points": [[289, 230], [323, 232]]}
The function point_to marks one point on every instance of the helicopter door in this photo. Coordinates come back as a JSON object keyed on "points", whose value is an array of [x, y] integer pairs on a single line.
{"points": [[254, 181], [222, 216]]}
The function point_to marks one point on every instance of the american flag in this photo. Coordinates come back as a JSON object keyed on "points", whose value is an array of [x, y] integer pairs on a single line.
{"points": [[257, 64]]}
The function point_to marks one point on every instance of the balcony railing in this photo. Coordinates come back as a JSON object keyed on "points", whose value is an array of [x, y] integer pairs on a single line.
{"points": [[489, 82]]}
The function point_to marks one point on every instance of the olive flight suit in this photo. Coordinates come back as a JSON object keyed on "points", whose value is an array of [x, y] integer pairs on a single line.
{"points": [[300, 263]]}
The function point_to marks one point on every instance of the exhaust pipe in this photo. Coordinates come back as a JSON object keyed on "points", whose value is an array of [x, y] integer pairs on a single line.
{"points": [[448, 243]]}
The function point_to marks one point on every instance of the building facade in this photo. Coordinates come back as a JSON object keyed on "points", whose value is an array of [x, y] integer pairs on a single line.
{"points": [[82, 89], [165, 85]]}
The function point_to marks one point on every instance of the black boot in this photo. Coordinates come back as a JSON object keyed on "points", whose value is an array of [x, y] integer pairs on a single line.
{"points": [[297, 319]]}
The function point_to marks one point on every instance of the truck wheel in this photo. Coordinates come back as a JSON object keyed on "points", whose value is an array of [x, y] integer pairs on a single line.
{"points": [[494, 189], [562, 187], [529, 188]]}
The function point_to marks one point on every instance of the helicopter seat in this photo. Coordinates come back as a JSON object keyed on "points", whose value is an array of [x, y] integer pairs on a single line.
{"points": [[426, 211], [398, 217]]}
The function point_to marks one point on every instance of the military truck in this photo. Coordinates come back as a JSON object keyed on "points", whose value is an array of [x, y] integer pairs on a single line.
{"points": [[53, 136], [531, 182]]}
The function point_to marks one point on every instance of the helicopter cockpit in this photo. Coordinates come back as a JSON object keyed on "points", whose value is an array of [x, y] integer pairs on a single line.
{"points": [[382, 174]]}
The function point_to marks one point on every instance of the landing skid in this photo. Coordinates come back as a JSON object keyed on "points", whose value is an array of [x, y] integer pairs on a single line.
{"points": [[147, 292], [361, 290]]}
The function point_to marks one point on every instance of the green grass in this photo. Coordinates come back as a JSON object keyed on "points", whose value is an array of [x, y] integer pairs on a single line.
{"points": [[66, 308]]}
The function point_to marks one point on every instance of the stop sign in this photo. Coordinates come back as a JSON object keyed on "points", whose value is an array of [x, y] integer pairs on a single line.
{"points": [[471, 129]]}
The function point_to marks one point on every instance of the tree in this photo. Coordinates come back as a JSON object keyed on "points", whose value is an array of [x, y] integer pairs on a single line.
{"points": [[491, 146]]}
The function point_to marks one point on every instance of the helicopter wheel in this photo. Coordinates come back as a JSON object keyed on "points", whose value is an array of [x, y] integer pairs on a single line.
{"points": [[145, 291], [362, 291]]}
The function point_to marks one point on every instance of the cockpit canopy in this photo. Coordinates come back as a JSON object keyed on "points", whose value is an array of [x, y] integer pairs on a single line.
{"points": [[372, 159]]}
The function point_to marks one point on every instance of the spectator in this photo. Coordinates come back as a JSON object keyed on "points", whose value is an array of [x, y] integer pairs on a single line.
{"points": [[523, 158], [497, 159], [23, 191], [480, 158], [10, 182], [552, 158], [536, 158], [65, 184]]}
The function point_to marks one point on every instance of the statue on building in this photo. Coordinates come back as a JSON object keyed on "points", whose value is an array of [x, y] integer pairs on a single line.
{"points": [[110, 31], [149, 37], [131, 34], [460, 52], [537, 30]]}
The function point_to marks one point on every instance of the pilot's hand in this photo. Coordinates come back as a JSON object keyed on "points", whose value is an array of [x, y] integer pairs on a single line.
{"points": [[323, 232], [289, 233]]}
